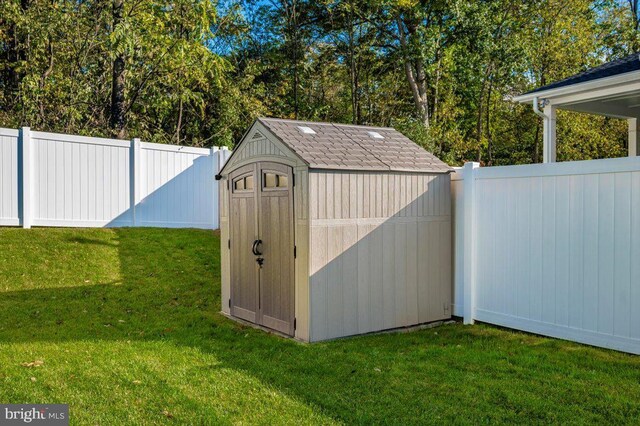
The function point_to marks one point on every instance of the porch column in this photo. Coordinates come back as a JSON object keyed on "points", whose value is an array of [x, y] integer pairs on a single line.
{"points": [[634, 140], [549, 135]]}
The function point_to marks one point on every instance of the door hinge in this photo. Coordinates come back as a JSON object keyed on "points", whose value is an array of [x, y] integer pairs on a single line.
{"points": [[229, 244], [229, 302], [293, 178], [295, 323], [227, 184], [295, 252]]}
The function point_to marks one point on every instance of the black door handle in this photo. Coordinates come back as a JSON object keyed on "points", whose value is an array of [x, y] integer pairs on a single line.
{"points": [[254, 249]]}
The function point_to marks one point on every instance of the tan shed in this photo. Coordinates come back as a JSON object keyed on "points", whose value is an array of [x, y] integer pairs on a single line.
{"points": [[332, 230]]}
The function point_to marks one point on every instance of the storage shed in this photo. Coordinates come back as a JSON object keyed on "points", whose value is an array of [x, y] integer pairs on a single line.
{"points": [[331, 230]]}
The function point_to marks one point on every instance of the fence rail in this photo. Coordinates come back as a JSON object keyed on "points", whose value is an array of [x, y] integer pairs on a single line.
{"points": [[50, 179], [552, 249]]}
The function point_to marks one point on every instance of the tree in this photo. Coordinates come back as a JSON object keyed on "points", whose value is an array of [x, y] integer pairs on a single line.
{"points": [[117, 73], [197, 72]]}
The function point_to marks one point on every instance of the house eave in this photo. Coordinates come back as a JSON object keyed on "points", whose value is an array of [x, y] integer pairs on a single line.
{"points": [[601, 83]]}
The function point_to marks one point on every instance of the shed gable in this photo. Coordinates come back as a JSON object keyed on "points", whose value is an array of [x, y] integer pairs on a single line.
{"points": [[259, 144]]}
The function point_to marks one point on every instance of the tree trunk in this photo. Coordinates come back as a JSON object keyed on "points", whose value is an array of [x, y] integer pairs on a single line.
{"points": [[415, 76], [436, 94], [292, 31], [117, 79], [353, 71], [43, 79], [15, 52], [179, 124], [13, 57], [488, 124], [479, 121], [352, 74]]}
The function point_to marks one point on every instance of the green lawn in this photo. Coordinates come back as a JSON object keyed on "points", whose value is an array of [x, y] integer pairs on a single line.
{"points": [[126, 324]]}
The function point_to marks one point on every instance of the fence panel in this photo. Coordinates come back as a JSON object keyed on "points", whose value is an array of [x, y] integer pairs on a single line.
{"points": [[165, 172], [49, 179], [9, 178], [557, 249], [80, 181]]}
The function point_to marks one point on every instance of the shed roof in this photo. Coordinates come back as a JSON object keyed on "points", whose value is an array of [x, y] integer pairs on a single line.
{"points": [[350, 147], [610, 69]]}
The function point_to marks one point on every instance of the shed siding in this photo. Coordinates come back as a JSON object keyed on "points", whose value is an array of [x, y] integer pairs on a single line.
{"points": [[225, 261], [301, 211], [380, 251], [258, 146]]}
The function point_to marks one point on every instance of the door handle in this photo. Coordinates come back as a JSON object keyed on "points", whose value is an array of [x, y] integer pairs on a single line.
{"points": [[254, 249]]}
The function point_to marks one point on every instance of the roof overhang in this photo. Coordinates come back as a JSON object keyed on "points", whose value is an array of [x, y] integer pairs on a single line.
{"points": [[617, 96], [255, 126]]}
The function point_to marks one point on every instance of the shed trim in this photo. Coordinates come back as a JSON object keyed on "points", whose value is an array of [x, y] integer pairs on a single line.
{"points": [[378, 170]]}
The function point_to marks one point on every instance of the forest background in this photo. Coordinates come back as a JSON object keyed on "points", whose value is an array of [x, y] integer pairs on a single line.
{"points": [[197, 72]]}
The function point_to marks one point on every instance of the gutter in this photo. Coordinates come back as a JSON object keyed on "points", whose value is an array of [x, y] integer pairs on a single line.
{"points": [[536, 108]]}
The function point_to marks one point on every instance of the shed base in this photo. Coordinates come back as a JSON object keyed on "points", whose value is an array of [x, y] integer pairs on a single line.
{"points": [[260, 327], [407, 329]]}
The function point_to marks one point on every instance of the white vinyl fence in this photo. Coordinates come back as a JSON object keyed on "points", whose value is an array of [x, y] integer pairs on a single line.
{"points": [[552, 249], [49, 179]]}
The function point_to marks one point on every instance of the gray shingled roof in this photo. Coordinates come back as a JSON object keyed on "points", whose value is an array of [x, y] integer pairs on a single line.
{"points": [[342, 146], [620, 66]]}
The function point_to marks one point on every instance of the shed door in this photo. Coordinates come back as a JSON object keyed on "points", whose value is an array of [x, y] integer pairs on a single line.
{"points": [[275, 224], [243, 231], [262, 244]]}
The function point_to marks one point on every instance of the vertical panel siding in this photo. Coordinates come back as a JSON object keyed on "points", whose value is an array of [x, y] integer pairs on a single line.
{"points": [[79, 183], [301, 210], [83, 181], [9, 179], [258, 146], [176, 187], [377, 243], [557, 250]]}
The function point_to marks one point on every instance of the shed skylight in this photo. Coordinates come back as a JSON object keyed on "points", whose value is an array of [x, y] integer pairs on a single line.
{"points": [[307, 130], [375, 135]]}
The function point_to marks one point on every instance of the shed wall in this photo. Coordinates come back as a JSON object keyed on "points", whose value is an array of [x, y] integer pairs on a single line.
{"points": [[380, 251], [301, 212], [259, 146]]}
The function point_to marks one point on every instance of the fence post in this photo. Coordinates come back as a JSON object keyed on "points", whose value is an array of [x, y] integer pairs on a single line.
{"points": [[469, 242], [634, 127], [27, 177], [226, 153], [215, 162], [134, 178]]}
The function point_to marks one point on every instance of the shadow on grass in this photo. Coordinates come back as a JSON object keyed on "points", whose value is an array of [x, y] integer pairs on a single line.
{"points": [[90, 241], [169, 290]]}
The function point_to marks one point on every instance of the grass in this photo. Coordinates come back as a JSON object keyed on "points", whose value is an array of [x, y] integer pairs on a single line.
{"points": [[126, 324]]}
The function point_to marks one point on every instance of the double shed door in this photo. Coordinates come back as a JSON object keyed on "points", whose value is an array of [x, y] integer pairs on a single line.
{"points": [[262, 245]]}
